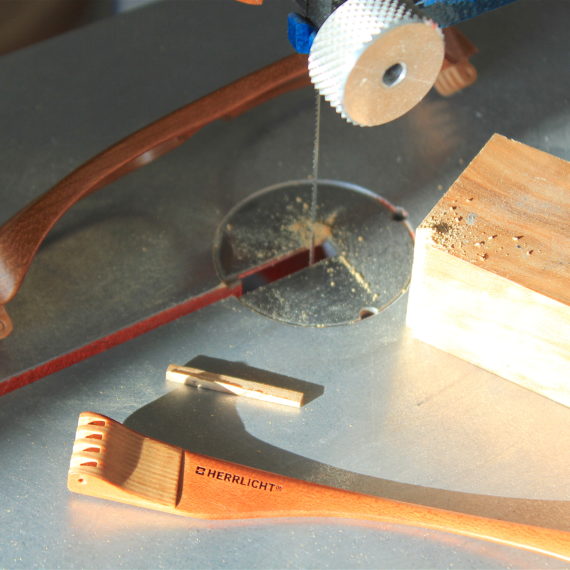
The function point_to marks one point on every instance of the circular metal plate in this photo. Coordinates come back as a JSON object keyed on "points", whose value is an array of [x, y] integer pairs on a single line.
{"points": [[394, 73], [374, 61], [366, 243]]}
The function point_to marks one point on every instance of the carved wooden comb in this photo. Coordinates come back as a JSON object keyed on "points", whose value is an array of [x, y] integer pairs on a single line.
{"points": [[113, 462]]}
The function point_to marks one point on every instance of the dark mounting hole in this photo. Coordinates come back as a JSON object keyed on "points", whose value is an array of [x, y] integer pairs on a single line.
{"points": [[399, 215], [97, 423], [394, 74], [366, 312]]}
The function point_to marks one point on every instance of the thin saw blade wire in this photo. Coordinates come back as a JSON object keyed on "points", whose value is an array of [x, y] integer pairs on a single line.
{"points": [[315, 176]]}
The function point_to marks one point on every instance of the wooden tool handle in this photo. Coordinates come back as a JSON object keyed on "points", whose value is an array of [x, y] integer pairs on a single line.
{"points": [[243, 492], [110, 461], [21, 236]]}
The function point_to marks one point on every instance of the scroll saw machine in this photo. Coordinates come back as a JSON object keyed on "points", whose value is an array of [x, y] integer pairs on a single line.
{"points": [[393, 417], [373, 61]]}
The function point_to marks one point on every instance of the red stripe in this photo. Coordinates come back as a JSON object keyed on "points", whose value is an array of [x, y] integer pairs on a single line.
{"points": [[118, 337]]}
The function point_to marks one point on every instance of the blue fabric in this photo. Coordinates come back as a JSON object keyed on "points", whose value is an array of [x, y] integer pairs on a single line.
{"points": [[450, 12], [300, 32]]}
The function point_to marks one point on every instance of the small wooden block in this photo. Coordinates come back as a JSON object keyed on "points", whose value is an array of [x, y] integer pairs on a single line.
{"points": [[491, 275], [233, 385]]}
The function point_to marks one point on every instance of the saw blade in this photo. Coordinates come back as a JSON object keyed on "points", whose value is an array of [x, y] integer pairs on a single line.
{"points": [[315, 175]]}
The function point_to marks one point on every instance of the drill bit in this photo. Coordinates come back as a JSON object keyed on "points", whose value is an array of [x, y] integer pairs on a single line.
{"points": [[315, 176]]}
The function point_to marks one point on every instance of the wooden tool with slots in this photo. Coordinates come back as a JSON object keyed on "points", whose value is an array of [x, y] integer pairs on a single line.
{"points": [[113, 462]]}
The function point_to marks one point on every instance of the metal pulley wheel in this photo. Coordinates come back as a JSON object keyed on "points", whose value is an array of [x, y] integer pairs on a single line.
{"points": [[374, 60]]}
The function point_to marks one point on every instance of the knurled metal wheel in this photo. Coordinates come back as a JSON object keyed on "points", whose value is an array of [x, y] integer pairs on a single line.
{"points": [[374, 60]]}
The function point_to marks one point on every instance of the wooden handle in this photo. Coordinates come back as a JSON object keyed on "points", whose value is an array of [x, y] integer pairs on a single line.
{"points": [[110, 461], [21, 236]]}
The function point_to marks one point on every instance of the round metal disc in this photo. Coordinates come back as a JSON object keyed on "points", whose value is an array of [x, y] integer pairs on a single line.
{"points": [[373, 61], [367, 242], [393, 74]]}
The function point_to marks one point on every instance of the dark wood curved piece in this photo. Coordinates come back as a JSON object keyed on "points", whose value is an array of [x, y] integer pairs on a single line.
{"points": [[22, 235]]}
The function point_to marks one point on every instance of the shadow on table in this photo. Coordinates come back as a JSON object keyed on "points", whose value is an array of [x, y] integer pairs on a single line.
{"points": [[208, 423]]}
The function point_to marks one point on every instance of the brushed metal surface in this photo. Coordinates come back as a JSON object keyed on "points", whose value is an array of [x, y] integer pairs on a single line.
{"points": [[144, 243], [395, 417], [368, 260]]}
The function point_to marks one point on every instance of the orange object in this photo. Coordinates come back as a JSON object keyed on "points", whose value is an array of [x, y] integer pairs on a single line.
{"points": [[253, 2], [113, 462], [457, 72]]}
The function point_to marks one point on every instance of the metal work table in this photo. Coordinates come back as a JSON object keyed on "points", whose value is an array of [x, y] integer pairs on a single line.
{"points": [[391, 416]]}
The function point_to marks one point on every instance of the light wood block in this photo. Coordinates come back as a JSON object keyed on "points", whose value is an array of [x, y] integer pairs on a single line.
{"points": [[491, 275], [233, 385]]}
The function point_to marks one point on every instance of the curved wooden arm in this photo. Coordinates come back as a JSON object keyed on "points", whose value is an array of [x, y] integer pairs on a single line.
{"points": [[110, 461], [21, 236]]}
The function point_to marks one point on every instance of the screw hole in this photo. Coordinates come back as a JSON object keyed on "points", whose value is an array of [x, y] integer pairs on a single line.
{"points": [[94, 436], [97, 423], [399, 215], [394, 74], [82, 481], [366, 312]]}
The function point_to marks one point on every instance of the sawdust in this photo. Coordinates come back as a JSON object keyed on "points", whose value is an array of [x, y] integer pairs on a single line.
{"points": [[302, 228], [458, 230], [306, 231], [330, 220], [453, 228], [358, 277]]}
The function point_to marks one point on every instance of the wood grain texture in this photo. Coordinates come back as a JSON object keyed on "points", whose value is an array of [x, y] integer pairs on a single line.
{"points": [[233, 385], [457, 72], [491, 275], [21, 236], [110, 461]]}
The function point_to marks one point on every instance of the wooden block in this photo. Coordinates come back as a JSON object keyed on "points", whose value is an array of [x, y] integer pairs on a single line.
{"points": [[491, 275], [233, 385]]}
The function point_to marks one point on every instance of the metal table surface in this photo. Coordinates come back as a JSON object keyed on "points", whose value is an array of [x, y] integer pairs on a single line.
{"points": [[391, 416]]}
